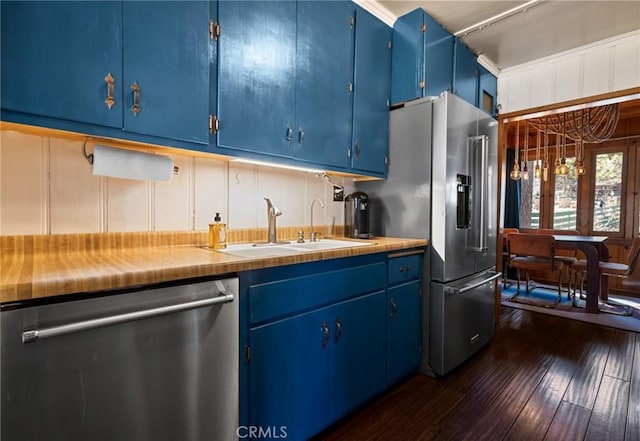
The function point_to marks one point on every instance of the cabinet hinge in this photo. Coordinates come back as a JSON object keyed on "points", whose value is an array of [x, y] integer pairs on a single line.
{"points": [[423, 28], [214, 124], [388, 103], [214, 30], [348, 153], [386, 160], [350, 87], [389, 44], [247, 353], [422, 84], [352, 21]]}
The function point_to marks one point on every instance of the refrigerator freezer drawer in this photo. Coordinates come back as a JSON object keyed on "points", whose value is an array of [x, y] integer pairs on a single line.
{"points": [[462, 317]]}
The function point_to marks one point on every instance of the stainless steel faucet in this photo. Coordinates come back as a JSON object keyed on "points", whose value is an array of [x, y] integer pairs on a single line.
{"points": [[314, 235], [272, 213]]}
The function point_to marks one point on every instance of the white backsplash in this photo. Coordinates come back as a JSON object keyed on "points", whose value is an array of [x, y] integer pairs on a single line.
{"points": [[46, 187]]}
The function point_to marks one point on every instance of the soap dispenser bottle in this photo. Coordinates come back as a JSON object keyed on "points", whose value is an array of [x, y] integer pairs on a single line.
{"points": [[217, 233]]}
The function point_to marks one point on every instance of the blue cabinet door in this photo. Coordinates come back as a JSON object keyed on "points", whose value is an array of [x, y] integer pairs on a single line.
{"points": [[487, 91], [290, 374], [370, 146], [358, 359], [438, 58], [256, 76], [167, 54], [324, 79], [422, 57], [404, 332], [56, 57], [407, 61], [465, 78]]}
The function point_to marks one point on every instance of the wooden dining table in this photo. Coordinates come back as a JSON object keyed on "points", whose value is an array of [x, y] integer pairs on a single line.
{"points": [[596, 251]]}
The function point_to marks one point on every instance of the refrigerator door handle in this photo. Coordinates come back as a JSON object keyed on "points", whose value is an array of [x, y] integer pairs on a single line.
{"points": [[480, 170], [467, 288]]}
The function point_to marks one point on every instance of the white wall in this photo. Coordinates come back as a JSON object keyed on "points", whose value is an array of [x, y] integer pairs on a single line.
{"points": [[46, 187], [606, 66]]}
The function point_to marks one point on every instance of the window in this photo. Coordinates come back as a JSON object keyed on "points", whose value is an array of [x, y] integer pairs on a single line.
{"points": [[607, 191], [565, 200], [530, 199]]}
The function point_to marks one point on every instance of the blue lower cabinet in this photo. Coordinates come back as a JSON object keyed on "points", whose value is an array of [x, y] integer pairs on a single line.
{"points": [[290, 375], [404, 330], [358, 359]]}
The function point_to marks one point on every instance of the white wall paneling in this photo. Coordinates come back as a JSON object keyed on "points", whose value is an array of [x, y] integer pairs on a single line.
{"points": [[607, 66], [210, 188], [24, 184], [244, 202], [172, 199], [74, 192]]}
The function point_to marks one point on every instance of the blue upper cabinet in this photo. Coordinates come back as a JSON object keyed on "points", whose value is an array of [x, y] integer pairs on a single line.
{"points": [[257, 76], [55, 64], [465, 74], [324, 82], [285, 71], [132, 70], [370, 145], [488, 92], [422, 57], [167, 58]]}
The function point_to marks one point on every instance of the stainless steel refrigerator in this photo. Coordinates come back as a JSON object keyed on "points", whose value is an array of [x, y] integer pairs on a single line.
{"points": [[442, 185]]}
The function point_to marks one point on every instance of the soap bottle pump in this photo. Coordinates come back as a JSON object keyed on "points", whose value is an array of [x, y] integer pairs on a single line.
{"points": [[217, 233]]}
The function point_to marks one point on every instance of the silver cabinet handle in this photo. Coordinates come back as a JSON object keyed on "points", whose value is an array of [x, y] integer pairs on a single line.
{"points": [[394, 307], [326, 334], [34, 335], [338, 329], [289, 134], [301, 137]]}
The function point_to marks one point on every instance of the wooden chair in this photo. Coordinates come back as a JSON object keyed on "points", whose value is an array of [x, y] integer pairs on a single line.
{"points": [[506, 257], [534, 252], [567, 257], [611, 269]]}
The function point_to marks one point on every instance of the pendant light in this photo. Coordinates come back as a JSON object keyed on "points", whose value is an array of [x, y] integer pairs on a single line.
{"points": [[537, 172], [515, 173]]}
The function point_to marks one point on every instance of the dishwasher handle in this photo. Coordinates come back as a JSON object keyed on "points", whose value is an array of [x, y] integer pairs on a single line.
{"points": [[468, 288], [34, 335]]}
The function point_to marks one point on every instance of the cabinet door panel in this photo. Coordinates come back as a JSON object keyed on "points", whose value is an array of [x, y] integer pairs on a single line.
{"points": [[54, 63], [290, 376], [256, 76], [167, 53], [407, 64], [405, 331], [324, 70], [487, 91], [438, 58], [358, 363], [371, 94], [465, 73]]}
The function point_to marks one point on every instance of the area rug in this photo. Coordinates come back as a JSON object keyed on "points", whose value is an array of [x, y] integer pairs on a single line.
{"points": [[566, 309]]}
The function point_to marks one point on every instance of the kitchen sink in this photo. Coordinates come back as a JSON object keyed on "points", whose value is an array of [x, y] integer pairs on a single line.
{"points": [[328, 244], [250, 250], [275, 250]]}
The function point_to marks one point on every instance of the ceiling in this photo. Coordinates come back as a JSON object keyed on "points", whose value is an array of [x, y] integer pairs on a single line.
{"points": [[545, 28]]}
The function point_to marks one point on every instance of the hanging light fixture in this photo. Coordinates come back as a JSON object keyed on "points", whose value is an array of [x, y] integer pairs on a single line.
{"points": [[525, 168], [515, 173], [545, 164], [593, 125], [537, 172]]}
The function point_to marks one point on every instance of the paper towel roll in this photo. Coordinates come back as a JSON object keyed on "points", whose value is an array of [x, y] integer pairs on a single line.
{"points": [[129, 164]]}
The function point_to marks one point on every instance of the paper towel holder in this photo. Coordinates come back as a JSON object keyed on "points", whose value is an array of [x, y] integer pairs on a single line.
{"points": [[90, 159]]}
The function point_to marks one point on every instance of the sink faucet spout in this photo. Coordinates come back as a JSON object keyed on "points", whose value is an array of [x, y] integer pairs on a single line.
{"points": [[272, 213], [314, 235]]}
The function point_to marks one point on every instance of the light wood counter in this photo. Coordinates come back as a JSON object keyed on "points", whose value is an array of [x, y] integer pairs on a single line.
{"points": [[34, 267]]}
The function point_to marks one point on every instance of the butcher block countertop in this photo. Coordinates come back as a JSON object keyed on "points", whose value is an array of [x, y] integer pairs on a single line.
{"points": [[36, 267]]}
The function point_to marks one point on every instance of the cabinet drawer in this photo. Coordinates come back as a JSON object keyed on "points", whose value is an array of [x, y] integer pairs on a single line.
{"points": [[402, 269], [288, 296]]}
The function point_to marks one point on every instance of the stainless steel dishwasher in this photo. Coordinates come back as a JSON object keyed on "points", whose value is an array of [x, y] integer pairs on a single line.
{"points": [[159, 363]]}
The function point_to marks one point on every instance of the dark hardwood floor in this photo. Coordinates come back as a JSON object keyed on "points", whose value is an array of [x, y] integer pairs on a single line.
{"points": [[541, 378]]}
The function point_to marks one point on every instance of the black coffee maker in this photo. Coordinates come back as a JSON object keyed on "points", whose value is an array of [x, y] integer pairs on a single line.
{"points": [[356, 216]]}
